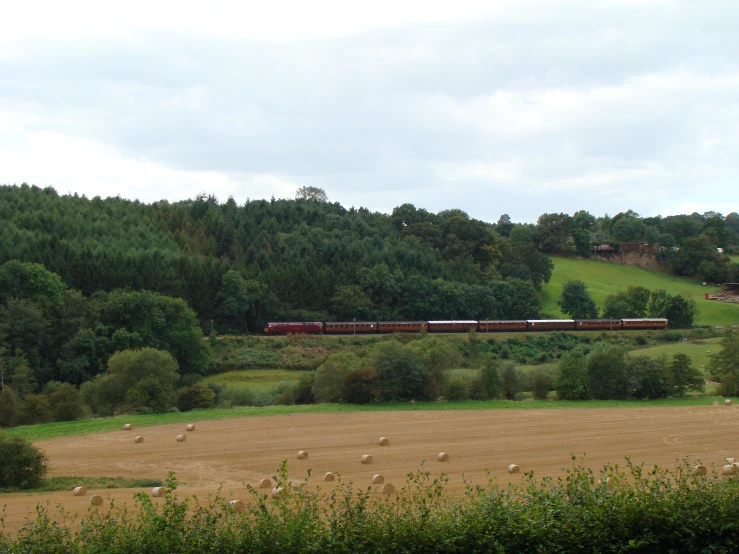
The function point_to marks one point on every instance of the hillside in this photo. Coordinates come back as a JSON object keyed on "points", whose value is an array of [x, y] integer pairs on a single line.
{"points": [[604, 278]]}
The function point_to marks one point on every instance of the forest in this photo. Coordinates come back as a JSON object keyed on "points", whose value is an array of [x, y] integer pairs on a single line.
{"points": [[306, 258], [104, 303]]}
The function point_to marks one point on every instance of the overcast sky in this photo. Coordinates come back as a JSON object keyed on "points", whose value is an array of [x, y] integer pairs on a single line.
{"points": [[518, 107]]}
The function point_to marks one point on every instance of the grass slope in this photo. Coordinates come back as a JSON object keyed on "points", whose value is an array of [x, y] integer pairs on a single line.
{"points": [[255, 379], [606, 278], [83, 427], [698, 350]]}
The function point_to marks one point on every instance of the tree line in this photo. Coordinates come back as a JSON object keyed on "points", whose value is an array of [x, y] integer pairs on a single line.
{"points": [[238, 266]]}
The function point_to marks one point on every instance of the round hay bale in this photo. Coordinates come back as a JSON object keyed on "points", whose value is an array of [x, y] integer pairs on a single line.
{"points": [[181, 438], [96, 500], [237, 506], [727, 402], [302, 455], [715, 402], [277, 492], [127, 427], [700, 469], [513, 468], [387, 488], [729, 461], [378, 479], [190, 427], [608, 481], [384, 441], [79, 491], [329, 476], [265, 484], [442, 457], [728, 469], [736, 466], [158, 492], [366, 459], [138, 440]]}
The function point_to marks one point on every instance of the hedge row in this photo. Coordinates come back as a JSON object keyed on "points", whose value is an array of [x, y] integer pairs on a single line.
{"points": [[637, 511]]}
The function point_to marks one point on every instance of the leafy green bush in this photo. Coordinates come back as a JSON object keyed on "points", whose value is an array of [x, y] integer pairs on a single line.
{"points": [[197, 396], [66, 403], [361, 386], [456, 389], [233, 398], [639, 510], [22, 465]]}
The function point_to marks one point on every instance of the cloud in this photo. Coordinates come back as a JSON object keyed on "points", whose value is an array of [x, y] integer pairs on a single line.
{"points": [[516, 107]]}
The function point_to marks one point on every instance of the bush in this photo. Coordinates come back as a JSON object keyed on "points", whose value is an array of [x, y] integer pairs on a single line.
{"points": [[22, 465], [36, 409], [233, 398], [137, 379], [198, 396], [403, 374], [641, 340], [66, 403], [361, 386], [284, 393], [11, 412], [541, 384], [330, 376], [304, 390], [456, 389]]}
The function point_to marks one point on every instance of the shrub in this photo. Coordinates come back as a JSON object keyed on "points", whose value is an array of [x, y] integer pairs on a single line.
{"points": [[361, 386], [456, 389], [402, 373], [232, 397], [572, 382], [541, 384], [304, 389], [330, 376], [195, 397], [22, 465], [284, 393], [490, 382], [11, 412], [641, 340], [137, 379], [66, 403], [36, 409]]}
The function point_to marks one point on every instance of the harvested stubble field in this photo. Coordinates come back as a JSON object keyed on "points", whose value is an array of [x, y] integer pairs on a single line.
{"points": [[244, 450]]}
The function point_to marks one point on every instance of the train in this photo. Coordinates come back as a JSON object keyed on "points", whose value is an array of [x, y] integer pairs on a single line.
{"points": [[459, 326]]}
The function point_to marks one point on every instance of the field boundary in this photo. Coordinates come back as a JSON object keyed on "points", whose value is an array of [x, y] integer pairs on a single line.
{"points": [[90, 426]]}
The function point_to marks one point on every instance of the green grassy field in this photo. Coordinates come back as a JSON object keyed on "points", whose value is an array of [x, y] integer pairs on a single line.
{"points": [[87, 426], [697, 350], [256, 379], [605, 278]]}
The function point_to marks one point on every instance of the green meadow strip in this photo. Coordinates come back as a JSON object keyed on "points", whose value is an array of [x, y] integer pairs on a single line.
{"points": [[85, 427]]}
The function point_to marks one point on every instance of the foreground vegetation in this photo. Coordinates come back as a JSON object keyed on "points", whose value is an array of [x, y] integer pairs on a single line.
{"points": [[619, 509]]}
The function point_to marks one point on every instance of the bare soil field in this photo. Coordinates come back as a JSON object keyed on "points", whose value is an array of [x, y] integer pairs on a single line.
{"points": [[233, 452]]}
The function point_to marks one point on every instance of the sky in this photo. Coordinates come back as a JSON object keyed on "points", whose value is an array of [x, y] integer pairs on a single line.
{"points": [[519, 107]]}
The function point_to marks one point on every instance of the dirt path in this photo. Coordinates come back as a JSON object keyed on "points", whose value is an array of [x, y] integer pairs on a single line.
{"points": [[237, 451]]}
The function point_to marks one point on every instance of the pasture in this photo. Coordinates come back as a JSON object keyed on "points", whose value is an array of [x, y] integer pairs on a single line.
{"points": [[235, 452], [256, 379], [606, 278], [698, 350]]}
